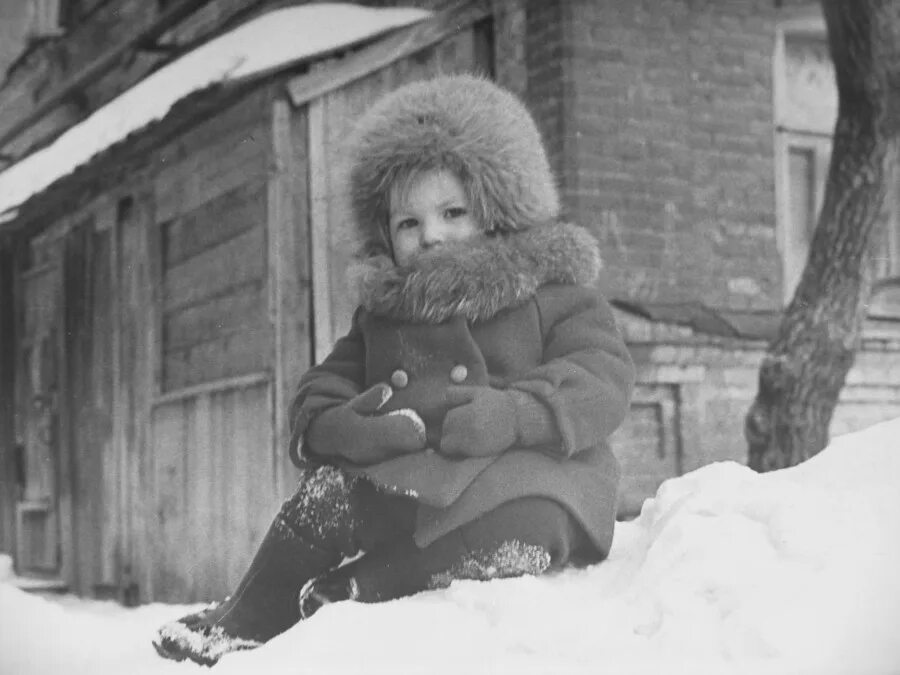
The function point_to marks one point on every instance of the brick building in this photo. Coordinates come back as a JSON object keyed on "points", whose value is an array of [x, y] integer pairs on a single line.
{"points": [[159, 297]]}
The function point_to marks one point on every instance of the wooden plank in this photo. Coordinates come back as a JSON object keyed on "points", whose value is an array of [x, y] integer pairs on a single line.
{"points": [[319, 235], [101, 331], [214, 318], [8, 350], [216, 271], [19, 371], [200, 455], [138, 308], [240, 112], [217, 220], [236, 354], [212, 387], [80, 473], [252, 501], [279, 210], [126, 297], [93, 470], [289, 285], [216, 582], [46, 426], [210, 172], [72, 390], [307, 87], [170, 536], [237, 454], [263, 497], [151, 237]]}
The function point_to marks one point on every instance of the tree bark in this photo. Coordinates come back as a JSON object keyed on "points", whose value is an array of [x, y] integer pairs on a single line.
{"points": [[805, 366]]}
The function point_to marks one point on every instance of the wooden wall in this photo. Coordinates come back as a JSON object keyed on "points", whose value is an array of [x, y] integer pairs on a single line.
{"points": [[217, 468], [213, 496], [8, 482], [184, 304], [188, 310], [212, 241], [91, 461]]}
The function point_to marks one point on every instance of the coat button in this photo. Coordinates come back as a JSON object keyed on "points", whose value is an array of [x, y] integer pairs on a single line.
{"points": [[399, 378], [459, 374]]}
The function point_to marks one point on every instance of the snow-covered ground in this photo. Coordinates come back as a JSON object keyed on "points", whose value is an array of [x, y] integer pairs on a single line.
{"points": [[725, 571]]}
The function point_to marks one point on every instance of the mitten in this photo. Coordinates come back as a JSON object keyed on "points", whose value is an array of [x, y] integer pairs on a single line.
{"points": [[356, 432], [486, 421]]}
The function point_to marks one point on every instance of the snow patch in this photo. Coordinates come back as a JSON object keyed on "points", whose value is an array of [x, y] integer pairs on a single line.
{"points": [[724, 572], [321, 503], [512, 559], [209, 644]]}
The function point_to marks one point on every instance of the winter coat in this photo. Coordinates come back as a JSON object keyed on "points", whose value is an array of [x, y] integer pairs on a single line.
{"points": [[514, 312], [515, 308]]}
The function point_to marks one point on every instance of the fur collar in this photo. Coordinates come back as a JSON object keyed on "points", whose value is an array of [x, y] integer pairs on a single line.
{"points": [[478, 279]]}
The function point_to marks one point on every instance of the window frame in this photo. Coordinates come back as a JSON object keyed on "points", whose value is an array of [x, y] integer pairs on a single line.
{"points": [[793, 241], [792, 244]]}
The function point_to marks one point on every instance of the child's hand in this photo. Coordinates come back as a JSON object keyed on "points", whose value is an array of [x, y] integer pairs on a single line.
{"points": [[482, 423], [354, 430]]}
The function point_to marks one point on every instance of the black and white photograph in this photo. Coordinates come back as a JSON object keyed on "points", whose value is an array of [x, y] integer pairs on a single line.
{"points": [[450, 337]]}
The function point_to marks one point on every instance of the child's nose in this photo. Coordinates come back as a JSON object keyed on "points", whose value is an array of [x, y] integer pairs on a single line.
{"points": [[432, 232]]}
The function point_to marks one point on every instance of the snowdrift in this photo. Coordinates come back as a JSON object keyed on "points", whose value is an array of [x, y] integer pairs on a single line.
{"points": [[725, 571]]}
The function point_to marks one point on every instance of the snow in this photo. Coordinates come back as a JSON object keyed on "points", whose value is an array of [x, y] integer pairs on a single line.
{"points": [[273, 40], [725, 571]]}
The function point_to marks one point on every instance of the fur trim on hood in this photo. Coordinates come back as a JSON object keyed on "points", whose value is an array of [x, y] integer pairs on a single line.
{"points": [[477, 278], [460, 123]]}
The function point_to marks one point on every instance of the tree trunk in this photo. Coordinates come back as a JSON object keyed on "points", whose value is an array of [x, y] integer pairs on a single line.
{"points": [[806, 365]]}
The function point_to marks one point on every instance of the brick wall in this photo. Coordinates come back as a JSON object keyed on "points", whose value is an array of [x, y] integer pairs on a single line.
{"points": [[547, 93], [668, 139], [709, 384]]}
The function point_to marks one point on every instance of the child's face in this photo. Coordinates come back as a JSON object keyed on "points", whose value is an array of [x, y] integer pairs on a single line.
{"points": [[432, 210]]}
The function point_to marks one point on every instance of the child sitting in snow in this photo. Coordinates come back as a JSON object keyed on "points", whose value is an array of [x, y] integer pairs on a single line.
{"points": [[458, 431]]}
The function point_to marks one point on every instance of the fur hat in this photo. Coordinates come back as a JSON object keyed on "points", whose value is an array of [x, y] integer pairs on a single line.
{"points": [[461, 123]]}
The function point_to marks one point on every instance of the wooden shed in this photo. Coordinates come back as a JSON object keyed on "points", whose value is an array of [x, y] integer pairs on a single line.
{"points": [[157, 312]]}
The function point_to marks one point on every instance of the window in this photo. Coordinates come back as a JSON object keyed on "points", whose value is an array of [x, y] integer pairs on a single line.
{"points": [[805, 113], [806, 158]]}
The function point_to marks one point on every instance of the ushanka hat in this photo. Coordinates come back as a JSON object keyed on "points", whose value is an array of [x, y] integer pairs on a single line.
{"points": [[461, 123]]}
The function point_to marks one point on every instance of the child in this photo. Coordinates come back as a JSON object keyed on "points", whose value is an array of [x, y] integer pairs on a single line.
{"points": [[458, 431]]}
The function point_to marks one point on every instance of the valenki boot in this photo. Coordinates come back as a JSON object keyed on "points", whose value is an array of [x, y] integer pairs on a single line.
{"points": [[527, 536], [312, 533]]}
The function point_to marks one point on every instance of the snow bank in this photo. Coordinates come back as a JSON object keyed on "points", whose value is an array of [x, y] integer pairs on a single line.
{"points": [[725, 571], [273, 40]]}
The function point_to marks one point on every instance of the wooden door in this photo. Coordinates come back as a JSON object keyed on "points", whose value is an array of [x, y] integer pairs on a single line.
{"points": [[94, 467], [210, 472], [38, 550]]}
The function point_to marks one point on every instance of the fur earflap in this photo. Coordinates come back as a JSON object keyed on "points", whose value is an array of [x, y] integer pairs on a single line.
{"points": [[477, 278], [461, 123]]}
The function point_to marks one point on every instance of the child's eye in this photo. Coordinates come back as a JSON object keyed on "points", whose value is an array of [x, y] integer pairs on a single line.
{"points": [[407, 223], [454, 212]]}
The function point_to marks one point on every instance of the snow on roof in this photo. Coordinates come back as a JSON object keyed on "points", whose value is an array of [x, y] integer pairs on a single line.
{"points": [[273, 40]]}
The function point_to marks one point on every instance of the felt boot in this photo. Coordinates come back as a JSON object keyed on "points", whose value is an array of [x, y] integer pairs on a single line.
{"points": [[525, 536], [334, 586], [311, 533]]}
